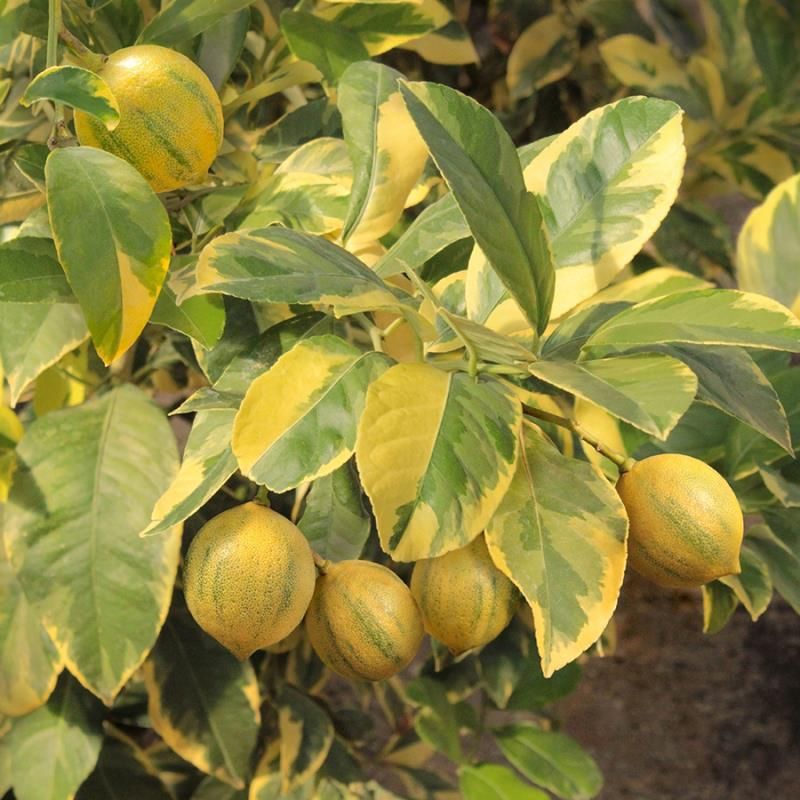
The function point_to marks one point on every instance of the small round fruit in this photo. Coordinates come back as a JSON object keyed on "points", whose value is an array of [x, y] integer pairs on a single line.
{"points": [[363, 621], [464, 599], [248, 578], [171, 121], [686, 525]]}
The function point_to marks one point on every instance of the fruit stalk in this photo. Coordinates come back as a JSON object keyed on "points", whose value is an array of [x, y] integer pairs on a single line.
{"points": [[623, 462]]}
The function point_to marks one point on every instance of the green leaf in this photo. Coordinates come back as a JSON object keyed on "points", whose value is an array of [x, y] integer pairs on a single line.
{"points": [[23, 640], [76, 87], [30, 159], [30, 273], [277, 265], [533, 690], [182, 20], [435, 721], [68, 730], [482, 169], [457, 442], [564, 551], [121, 764], [306, 737], [779, 547], [208, 462], [746, 449], [322, 383], [495, 782], [60, 541], [212, 789], [706, 316], [768, 241], [502, 662], [221, 45], [729, 379], [334, 519], [552, 760], [328, 46], [773, 35], [438, 226], [33, 337], [388, 154], [202, 317], [787, 492], [753, 585], [719, 604], [605, 185], [115, 249], [651, 392], [201, 700]]}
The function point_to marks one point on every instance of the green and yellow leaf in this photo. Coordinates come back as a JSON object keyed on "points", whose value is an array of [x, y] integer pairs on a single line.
{"points": [[77, 87], [201, 700], [321, 383], [436, 453], [565, 552], [75, 513], [387, 152], [115, 249]]}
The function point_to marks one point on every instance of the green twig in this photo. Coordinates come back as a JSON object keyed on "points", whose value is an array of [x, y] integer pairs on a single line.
{"points": [[375, 333], [53, 27], [88, 58], [623, 462]]}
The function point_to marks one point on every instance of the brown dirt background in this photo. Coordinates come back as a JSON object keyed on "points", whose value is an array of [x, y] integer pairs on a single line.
{"points": [[678, 715]]}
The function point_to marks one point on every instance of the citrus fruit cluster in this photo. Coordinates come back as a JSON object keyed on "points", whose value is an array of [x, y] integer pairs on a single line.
{"points": [[250, 580]]}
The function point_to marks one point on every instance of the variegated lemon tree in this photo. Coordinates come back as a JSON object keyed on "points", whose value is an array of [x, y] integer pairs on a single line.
{"points": [[414, 341]]}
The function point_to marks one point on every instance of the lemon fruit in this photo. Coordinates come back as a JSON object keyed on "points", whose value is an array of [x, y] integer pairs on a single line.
{"points": [[363, 621], [171, 122], [686, 525], [464, 599], [248, 578]]}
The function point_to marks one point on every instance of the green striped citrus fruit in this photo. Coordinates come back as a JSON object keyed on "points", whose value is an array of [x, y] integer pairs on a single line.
{"points": [[363, 621], [248, 578], [464, 599], [686, 524], [171, 123]]}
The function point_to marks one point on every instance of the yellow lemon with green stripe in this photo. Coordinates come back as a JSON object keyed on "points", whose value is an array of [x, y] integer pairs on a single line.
{"points": [[686, 525], [171, 122], [363, 621], [464, 599], [248, 578]]}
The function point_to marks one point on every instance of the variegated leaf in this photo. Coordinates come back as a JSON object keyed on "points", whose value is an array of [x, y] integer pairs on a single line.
{"points": [[75, 513], [387, 152], [114, 250], [322, 383], [208, 462], [306, 737], [33, 337], [77, 87], [651, 392], [29, 662], [122, 763], [565, 551], [54, 748], [384, 26], [30, 272], [300, 200], [606, 184], [768, 249], [544, 53], [436, 453], [495, 782], [753, 585], [335, 520], [478, 160], [201, 700], [451, 44], [277, 265], [182, 20], [704, 316]]}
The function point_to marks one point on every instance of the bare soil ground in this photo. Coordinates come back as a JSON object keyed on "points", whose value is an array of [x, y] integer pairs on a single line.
{"points": [[677, 715]]}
